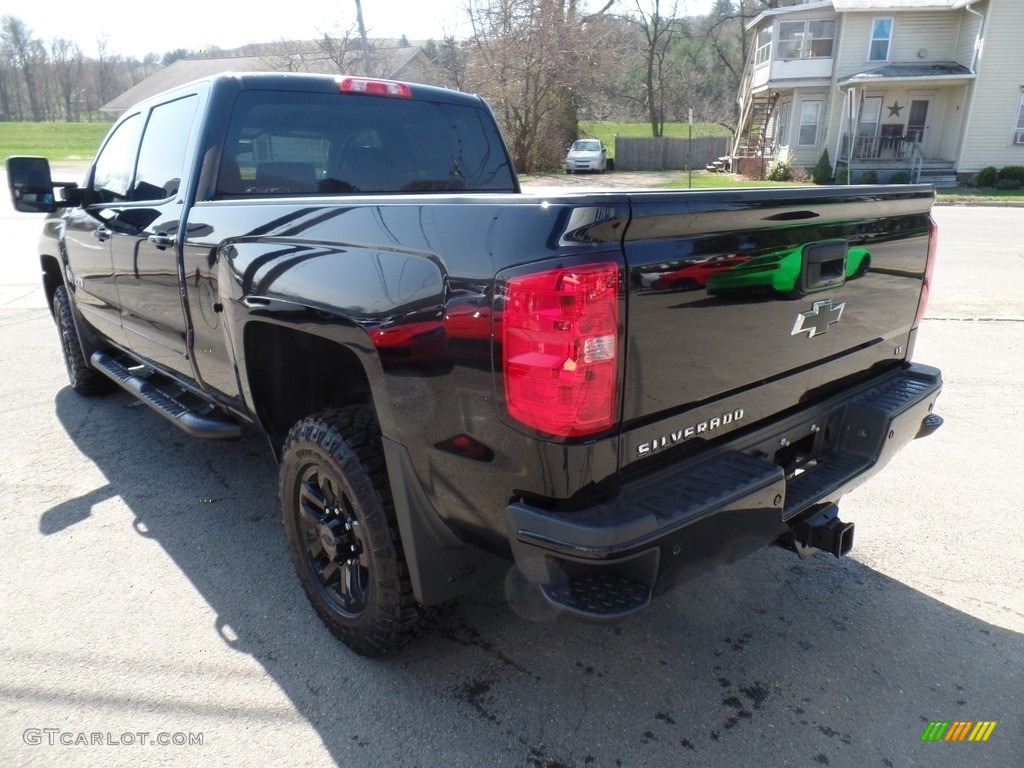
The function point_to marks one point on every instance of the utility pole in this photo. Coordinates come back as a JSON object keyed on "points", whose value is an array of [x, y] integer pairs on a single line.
{"points": [[362, 37], [689, 151]]}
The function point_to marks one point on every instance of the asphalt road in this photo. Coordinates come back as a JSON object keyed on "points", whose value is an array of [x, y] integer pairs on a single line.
{"points": [[147, 595]]}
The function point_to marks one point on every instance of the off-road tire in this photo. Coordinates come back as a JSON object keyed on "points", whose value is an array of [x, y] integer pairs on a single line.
{"points": [[84, 379], [342, 533]]}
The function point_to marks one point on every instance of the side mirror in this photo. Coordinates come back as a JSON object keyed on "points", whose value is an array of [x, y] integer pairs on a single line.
{"points": [[31, 184]]}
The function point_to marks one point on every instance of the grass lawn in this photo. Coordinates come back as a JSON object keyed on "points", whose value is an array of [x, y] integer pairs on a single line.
{"points": [[706, 180], [606, 131], [969, 195], [54, 141], [965, 195]]}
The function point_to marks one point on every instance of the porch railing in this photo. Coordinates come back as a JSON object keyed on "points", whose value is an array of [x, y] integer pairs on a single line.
{"points": [[916, 163], [878, 148]]}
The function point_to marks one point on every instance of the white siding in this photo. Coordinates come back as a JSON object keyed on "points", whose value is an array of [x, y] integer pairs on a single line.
{"points": [[969, 24], [949, 129], [808, 156], [988, 139], [933, 33], [853, 52]]}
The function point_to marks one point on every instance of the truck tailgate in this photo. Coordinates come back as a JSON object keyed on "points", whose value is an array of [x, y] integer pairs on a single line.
{"points": [[743, 305]]}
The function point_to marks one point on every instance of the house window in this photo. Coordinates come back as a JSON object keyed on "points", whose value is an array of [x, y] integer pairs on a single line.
{"points": [[764, 46], [1018, 134], [820, 35], [881, 40], [810, 112], [806, 39]]}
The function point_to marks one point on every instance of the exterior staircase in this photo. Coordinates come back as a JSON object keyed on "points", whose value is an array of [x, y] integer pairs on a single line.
{"points": [[750, 141], [938, 173]]}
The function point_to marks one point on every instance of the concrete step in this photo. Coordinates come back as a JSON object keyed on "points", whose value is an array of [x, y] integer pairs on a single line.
{"points": [[939, 180]]}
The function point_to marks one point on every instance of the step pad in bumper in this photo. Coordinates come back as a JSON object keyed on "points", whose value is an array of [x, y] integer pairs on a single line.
{"points": [[686, 518]]}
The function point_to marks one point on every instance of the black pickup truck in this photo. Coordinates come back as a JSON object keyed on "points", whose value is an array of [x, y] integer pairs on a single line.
{"points": [[615, 390]]}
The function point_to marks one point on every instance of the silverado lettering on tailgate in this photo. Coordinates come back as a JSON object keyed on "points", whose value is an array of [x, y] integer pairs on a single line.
{"points": [[681, 435]]}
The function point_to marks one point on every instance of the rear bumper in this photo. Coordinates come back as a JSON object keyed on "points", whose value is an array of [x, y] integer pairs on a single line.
{"points": [[685, 519]]}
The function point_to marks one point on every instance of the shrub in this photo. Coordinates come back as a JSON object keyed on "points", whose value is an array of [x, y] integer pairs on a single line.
{"points": [[900, 177], [799, 173], [780, 171], [1009, 184], [842, 175], [868, 177], [1012, 172], [822, 172], [987, 177]]}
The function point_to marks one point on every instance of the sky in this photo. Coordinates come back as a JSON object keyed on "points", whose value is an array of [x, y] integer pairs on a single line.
{"points": [[134, 28]]}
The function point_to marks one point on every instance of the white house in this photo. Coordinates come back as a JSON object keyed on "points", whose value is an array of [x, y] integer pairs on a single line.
{"points": [[927, 89]]}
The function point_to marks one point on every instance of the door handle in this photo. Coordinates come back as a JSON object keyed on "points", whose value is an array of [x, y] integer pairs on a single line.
{"points": [[162, 241], [101, 233]]}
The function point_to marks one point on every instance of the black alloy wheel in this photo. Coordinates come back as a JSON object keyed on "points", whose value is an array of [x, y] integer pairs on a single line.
{"points": [[342, 532], [333, 539]]}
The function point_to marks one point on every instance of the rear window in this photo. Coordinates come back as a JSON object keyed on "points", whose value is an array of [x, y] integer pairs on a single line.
{"points": [[296, 143]]}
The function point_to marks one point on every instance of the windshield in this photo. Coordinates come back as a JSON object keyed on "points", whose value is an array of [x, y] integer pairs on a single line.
{"points": [[586, 145]]}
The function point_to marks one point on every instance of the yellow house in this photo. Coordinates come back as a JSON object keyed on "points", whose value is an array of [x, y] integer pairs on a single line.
{"points": [[912, 90]]}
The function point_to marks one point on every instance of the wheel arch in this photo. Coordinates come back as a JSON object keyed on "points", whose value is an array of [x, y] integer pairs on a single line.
{"points": [[292, 373], [53, 277]]}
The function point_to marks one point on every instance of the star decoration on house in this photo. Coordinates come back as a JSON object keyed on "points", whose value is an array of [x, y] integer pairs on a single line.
{"points": [[895, 109]]}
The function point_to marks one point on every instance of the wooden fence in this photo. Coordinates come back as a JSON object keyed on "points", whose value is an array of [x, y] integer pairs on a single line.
{"points": [[666, 154]]}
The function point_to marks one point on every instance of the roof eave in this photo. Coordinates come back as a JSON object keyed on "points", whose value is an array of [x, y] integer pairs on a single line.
{"points": [[793, 84], [924, 80], [788, 9], [909, 9]]}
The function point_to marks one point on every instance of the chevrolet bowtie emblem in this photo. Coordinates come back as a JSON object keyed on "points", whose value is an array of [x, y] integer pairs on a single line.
{"points": [[817, 321]]}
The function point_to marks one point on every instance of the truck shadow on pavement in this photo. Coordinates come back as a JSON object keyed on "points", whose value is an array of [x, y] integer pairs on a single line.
{"points": [[770, 661]]}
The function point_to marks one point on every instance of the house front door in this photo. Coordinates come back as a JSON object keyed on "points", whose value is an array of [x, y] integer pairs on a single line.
{"points": [[917, 122]]}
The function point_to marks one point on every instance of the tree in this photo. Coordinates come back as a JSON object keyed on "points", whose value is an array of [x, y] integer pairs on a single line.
{"points": [[725, 32], [451, 56], [822, 172], [66, 58], [535, 59], [106, 67], [172, 56], [659, 31], [344, 50], [26, 54]]}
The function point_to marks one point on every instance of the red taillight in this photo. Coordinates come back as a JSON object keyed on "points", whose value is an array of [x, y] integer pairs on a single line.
{"points": [[560, 340], [376, 87], [926, 285]]}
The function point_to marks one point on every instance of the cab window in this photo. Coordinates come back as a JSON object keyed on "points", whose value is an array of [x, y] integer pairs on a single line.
{"points": [[296, 143], [112, 173], [164, 144]]}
